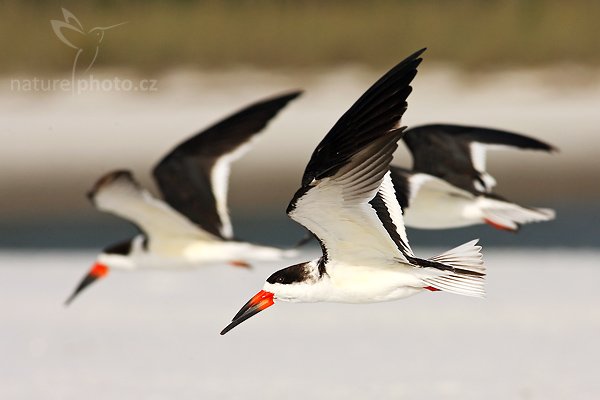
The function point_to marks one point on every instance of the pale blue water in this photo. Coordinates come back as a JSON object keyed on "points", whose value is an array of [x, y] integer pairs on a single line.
{"points": [[576, 226], [154, 335]]}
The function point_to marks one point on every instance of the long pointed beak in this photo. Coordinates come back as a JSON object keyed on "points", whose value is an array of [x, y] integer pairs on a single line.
{"points": [[105, 28], [96, 272], [256, 304]]}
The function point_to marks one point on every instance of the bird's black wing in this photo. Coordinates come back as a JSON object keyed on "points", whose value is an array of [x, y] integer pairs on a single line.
{"points": [[456, 153], [346, 199], [193, 177]]}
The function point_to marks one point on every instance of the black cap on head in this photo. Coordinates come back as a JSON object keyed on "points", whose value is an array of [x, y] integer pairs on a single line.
{"points": [[295, 273]]}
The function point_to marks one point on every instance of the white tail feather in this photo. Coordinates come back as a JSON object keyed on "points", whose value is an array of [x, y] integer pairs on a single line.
{"points": [[468, 278], [509, 215]]}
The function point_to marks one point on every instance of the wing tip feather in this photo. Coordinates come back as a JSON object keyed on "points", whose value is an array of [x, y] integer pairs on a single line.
{"points": [[109, 178]]}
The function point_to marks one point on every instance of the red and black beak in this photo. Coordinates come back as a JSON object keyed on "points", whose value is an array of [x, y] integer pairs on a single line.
{"points": [[96, 272], [256, 304]]}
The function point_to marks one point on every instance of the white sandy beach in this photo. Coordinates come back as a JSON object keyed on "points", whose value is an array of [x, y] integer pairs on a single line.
{"points": [[155, 335]]}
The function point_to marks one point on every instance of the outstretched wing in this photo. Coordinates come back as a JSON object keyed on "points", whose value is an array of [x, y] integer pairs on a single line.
{"points": [[69, 34], [70, 18], [338, 209], [193, 177], [118, 193], [457, 153], [342, 199]]}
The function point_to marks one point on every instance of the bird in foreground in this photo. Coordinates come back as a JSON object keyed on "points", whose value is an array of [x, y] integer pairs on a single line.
{"points": [[191, 226], [348, 202], [448, 186]]}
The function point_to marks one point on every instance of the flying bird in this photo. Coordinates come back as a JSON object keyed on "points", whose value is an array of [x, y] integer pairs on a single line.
{"points": [[191, 226], [348, 202], [448, 186]]}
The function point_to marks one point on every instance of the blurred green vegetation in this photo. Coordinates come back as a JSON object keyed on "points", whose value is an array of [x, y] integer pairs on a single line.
{"points": [[165, 34]]}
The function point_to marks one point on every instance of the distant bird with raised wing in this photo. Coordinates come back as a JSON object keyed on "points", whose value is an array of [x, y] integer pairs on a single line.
{"points": [[448, 186], [191, 226], [348, 202]]}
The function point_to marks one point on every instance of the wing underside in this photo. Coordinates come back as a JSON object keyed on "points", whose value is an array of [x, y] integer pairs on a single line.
{"points": [[338, 209], [342, 200], [119, 194]]}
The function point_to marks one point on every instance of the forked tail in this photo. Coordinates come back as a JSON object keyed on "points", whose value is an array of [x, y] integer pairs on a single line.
{"points": [[459, 270], [510, 216]]}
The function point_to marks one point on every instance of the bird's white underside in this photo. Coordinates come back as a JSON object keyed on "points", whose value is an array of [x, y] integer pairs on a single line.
{"points": [[353, 283], [436, 204], [388, 280], [182, 253]]}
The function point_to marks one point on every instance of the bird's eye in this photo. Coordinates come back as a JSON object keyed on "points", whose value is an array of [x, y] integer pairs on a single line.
{"points": [[280, 279]]}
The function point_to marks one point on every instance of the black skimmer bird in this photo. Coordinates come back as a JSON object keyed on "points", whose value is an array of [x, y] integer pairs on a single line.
{"points": [[347, 201], [191, 226], [448, 186]]}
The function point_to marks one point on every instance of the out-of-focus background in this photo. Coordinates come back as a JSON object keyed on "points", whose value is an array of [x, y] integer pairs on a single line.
{"points": [[531, 67], [161, 70]]}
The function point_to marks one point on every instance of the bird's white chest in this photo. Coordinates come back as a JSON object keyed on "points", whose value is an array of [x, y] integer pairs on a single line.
{"points": [[436, 209], [180, 252], [186, 253], [363, 284]]}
